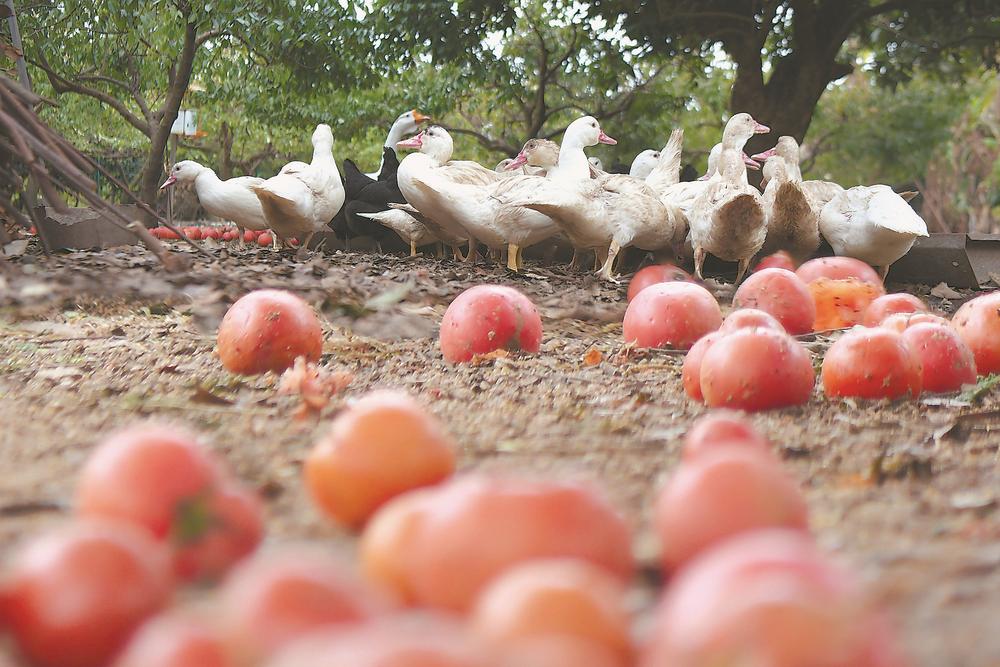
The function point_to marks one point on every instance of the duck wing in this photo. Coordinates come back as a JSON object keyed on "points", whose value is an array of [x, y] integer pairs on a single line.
{"points": [[434, 228], [667, 171], [890, 211], [284, 198], [355, 180], [821, 192], [390, 165], [624, 184], [466, 172], [382, 193]]}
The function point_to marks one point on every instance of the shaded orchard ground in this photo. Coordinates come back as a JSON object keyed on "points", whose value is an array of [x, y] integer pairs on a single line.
{"points": [[906, 492]]}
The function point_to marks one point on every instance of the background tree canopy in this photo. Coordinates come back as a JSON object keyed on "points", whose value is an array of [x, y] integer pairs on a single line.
{"points": [[877, 90]]}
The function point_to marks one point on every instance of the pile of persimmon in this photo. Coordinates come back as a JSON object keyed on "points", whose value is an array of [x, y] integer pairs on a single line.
{"points": [[154, 508], [749, 363], [906, 351], [260, 237], [470, 570], [897, 348]]}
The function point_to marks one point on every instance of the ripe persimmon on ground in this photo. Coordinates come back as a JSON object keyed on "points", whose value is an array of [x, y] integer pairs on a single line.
{"points": [[905, 492]]}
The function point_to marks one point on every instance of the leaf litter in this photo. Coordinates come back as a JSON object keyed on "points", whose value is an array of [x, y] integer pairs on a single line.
{"points": [[137, 343]]}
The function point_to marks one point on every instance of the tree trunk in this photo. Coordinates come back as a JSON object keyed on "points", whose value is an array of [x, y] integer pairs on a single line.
{"points": [[787, 101], [225, 151], [163, 120], [785, 104]]}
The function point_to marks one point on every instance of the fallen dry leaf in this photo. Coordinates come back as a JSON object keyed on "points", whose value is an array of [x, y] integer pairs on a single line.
{"points": [[943, 291], [314, 385], [593, 357], [479, 359]]}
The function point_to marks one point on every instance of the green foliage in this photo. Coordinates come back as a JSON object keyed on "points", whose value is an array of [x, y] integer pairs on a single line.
{"points": [[947, 40], [873, 134], [273, 70]]}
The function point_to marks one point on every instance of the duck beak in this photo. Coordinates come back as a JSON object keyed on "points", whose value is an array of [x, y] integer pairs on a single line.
{"points": [[419, 117], [703, 178], [762, 157], [750, 163], [517, 162], [605, 139], [170, 181], [760, 128], [412, 142]]}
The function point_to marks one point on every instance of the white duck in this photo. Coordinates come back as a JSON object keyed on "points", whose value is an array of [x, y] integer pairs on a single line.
{"points": [[425, 179], [665, 180], [536, 158], [232, 199], [727, 220], [610, 212], [596, 163], [819, 192], [301, 200], [479, 208], [406, 123], [792, 221], [409, 225], [643, 163], [665, 176], [871, 223], [522, 227], [417, 230]]}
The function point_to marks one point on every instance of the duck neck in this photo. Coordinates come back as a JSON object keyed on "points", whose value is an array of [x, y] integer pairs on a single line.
{"points": [[322, 154], [573, 163], [731, 167], [396, 134], [206, 178], [438, 154], [734, 138]]}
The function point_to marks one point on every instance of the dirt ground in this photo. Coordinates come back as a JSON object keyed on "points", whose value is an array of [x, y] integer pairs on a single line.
{"points": [[907, 493]]}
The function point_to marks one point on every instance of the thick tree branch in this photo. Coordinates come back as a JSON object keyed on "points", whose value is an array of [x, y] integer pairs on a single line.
{"points": [[62, 85], [100, 78], [207, 35], [485, 140], [538, 105], [571, 50], [136, 88]]}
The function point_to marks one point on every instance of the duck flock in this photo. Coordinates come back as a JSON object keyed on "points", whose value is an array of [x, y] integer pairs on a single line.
{"points": [[549, 190]]}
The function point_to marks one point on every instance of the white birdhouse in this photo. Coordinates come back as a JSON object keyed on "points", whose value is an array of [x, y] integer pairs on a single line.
{"points": [[186, 123]]}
